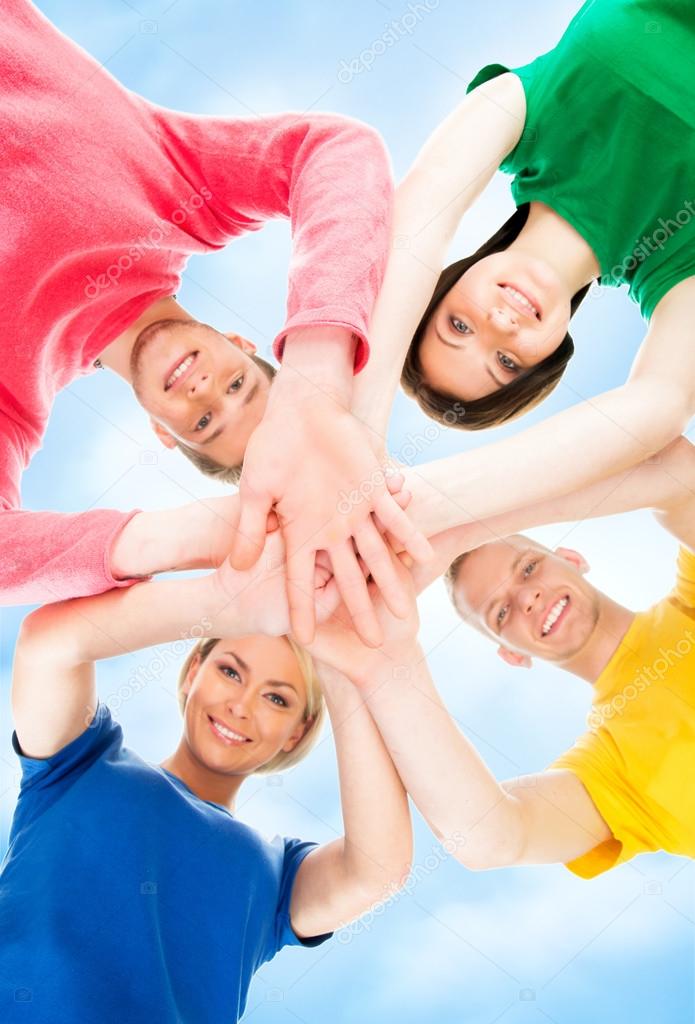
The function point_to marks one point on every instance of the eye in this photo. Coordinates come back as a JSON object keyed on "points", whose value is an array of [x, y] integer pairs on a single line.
{"points": [[502, 614], [460, 326], [230, 672], [236, 384], [506, 363], [529, 567], [276, 699], [204, 421]]}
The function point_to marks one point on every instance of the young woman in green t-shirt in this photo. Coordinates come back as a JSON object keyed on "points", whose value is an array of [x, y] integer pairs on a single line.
{"points": [[600, 133]]}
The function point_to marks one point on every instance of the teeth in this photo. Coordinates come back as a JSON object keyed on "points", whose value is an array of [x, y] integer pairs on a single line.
{"points": [[227, 732], [181, 368], [522, 299], [554, 615]]}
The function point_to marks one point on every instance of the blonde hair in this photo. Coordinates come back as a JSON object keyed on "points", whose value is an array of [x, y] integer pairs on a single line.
{"points": [[314, 711]]}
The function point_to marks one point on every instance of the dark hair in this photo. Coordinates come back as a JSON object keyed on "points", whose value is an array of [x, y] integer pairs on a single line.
{"points": [[509, 401], [452, 573], [208, 466]]}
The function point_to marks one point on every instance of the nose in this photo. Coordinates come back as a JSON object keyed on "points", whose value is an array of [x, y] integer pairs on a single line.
{"points": [[528, 598], [241, 704], [199, 385], [503, 321]]}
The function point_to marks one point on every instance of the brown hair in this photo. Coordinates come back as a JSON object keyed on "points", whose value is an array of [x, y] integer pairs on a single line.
{"points": [[208, 466], [314, 712], [521, 394]]}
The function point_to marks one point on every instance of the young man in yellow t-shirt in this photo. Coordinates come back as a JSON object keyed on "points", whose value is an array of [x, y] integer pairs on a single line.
{"points": [[624, 787]]}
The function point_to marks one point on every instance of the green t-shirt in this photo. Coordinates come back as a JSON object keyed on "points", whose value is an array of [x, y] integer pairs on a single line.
{"points": [[609, 139]]}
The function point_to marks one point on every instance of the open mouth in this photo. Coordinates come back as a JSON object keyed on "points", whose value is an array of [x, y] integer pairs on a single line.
{"points": [[179, 370], [225, 734], [555, 616], [521, 301]]}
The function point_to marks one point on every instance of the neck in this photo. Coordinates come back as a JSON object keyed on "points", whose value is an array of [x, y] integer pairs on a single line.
{"points": [[206, 784], [547, 236], [613, 623], [117, 354]]}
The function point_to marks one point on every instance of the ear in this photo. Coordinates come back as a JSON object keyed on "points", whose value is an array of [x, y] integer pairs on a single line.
{"points": [[167, 439], [190, 675], [301, 731], [514, 659], [243, 343], [572, 556]]}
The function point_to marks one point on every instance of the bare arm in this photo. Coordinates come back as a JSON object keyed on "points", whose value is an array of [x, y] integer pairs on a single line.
{"points": [[450, 172], [344, 878], [665, 483]]}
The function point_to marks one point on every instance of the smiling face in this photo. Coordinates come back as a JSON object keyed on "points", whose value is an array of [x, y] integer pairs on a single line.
{"points": [[245, 703], [506, 314], [199, 387], [533, 602]]}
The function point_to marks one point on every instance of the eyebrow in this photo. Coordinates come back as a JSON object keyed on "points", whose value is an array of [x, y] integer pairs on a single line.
{"points": [[271, 682], [493, 602], [499, 383]]}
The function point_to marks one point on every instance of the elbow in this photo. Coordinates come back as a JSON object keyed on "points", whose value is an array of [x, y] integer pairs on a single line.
{"points": [[483, 852], [668, 406]]}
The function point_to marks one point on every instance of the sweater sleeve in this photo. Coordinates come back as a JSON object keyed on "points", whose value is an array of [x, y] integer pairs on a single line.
{"points": [[329, 175], [50, 556]]}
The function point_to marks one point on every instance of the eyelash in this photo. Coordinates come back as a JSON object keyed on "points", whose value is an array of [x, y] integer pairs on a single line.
{"points": [[455, 320], [513, 368], [236, 384], [277, 699], [526, 572]]}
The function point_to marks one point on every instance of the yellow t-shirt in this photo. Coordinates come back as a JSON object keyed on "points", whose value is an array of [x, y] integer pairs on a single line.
{"points": [[637, 759]]}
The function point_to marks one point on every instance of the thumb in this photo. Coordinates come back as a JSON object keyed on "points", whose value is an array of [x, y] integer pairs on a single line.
{"points": [[251, 531]]}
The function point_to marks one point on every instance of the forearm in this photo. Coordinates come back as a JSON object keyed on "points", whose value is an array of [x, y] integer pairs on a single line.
{"points": [[316, 359], [194, 536], [118, 622], [447, 779], [556, 458], [377, 846], [665, 483]]}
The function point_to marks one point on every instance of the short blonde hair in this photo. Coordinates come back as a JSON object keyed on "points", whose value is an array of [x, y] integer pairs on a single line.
{"points": [[314, 711]]}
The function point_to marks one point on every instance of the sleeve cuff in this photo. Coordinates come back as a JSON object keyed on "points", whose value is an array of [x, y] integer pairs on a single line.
{"points": [[324, 318]]}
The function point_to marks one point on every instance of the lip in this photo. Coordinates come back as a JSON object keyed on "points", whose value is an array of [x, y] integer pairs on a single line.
{"points": [[518, 305], [194, 353], [560, 619], [225, 739]]}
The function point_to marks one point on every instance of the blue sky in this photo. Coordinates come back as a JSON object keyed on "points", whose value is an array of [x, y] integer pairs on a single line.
{"points": [[523, 945]]}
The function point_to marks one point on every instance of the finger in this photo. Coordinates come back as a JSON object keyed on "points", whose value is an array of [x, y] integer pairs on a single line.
{"points": [[394, 481], [328, 601], [353, 590], [382, 568], [251, 531], [301, 565], [399, 524]]}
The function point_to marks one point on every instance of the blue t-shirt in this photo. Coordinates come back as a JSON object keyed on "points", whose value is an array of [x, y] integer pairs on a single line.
{"points": [[124, 897]]}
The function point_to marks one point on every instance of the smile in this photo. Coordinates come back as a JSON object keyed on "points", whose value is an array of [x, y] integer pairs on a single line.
{"points": [[226, 734], [520, 300], [180, 370], [554, 616]]}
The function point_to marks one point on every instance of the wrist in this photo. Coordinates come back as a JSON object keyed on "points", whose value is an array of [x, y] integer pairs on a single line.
{"points": [[317, 358]]}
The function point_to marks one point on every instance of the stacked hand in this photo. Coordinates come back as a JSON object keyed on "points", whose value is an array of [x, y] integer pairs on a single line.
{"points": [[313, 463]]}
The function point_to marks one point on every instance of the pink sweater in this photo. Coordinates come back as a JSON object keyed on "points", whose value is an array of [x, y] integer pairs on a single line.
{"points": [[105, 196]]}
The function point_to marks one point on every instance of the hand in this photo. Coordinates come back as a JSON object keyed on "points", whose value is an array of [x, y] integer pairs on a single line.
{"points": [[313, 462], [337, 645], [258, 596]]}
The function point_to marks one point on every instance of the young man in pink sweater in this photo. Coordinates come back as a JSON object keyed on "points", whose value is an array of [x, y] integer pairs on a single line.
{"points": [[106, 197]]}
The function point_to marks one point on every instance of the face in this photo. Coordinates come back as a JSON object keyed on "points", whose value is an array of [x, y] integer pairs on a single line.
{"points": [[506, 314], [201, 388], [245, 703], [532, 601]]}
